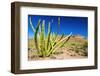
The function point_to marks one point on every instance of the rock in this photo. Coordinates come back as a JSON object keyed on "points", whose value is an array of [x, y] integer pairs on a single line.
{"points": [[53, 57]]}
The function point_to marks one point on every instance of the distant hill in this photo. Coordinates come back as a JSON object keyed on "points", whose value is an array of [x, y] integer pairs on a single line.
{"points": [[78, 38]]}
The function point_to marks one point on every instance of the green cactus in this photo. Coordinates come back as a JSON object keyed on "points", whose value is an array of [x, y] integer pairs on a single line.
{"points": [[47, 45]]}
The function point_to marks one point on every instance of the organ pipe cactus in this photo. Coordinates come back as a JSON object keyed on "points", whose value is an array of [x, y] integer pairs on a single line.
{"points": [[48, 44]]}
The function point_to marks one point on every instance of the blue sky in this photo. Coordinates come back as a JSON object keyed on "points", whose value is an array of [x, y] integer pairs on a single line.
{"points": [[76, 25]]}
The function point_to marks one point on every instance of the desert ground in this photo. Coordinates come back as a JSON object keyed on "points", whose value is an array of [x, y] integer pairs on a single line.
{"points": [[75, 48]]}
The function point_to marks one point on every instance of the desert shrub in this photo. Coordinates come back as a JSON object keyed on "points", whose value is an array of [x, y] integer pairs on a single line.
{"points": [[84, 48], [79, 48], [85, 45]]}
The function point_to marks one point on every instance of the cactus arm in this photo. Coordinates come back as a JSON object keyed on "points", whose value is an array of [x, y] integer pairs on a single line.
{"points": [[59, 44], [31, 25], [35, 37]]}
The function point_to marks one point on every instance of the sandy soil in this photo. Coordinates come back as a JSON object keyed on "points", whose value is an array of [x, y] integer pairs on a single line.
{"points": [[66, 52]]}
